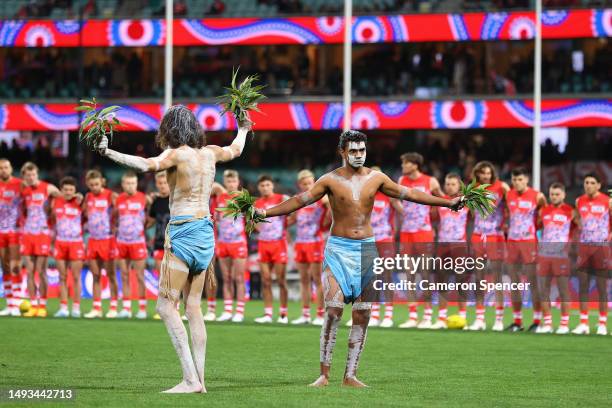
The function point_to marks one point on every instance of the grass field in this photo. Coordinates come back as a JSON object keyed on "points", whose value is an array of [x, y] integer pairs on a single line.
{"points": [[127, 363]]}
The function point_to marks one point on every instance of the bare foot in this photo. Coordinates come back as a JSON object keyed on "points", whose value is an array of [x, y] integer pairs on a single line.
{"points": [[322, 381], [353, 382], [185, 388]]}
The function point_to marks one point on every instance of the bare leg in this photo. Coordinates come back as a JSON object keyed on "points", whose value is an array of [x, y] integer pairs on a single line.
{"points": [[515, 295], [280, 270], [535, 291], [41, 267], [94, 268], [226, 272], [497, 270], [304, 283], [75, 267], [266, 283], [334, 306], [61, 268], [166, 308], [601, 280], [192, 295], [315, 275], [6, 269], [15, 271], [238, 267], [29, 264], [111, 273], [124, 267], [563, 285], [584, 280], [357, 339], [139, 269], [545, 295]]}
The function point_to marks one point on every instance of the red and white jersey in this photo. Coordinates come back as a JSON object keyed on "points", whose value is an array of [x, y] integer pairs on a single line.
{"points": [[10, 204], [416, 217], [228, 229], [36, 199], [522, 209], [309, 222], [131, 209], [99, 213], [382, 217], [276, 229], [453, 224], [68, 220], [556, 223], [492, 225], [595, 218], [556, 227]]}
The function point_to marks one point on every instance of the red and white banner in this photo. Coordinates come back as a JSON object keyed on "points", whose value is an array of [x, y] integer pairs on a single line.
{"points": [[469, 114], [511, 25]]}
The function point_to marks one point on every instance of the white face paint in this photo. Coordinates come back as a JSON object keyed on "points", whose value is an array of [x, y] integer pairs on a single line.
{"points": [[357, 160]]}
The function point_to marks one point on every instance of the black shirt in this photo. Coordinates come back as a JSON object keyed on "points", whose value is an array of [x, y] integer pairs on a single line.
{"points": [[160, 211]]}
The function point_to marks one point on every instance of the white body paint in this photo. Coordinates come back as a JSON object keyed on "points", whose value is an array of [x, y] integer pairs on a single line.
{"points": [[353, 161], [191, 181], [356, 182]]}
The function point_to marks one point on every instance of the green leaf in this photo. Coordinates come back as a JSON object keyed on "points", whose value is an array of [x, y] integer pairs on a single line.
{"points": [[97, 123], [108, 110], [478, 198], [239, 99]]}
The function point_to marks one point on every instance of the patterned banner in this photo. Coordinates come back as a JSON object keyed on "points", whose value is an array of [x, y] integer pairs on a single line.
{"points": [[307, 30], [471, 114]]}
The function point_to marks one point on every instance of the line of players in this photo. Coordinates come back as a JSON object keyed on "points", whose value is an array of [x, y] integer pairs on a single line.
{"points": [[35, 214], [507, 237]]}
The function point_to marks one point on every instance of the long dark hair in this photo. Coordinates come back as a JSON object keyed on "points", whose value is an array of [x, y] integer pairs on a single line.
{"points": [[179, 127]]}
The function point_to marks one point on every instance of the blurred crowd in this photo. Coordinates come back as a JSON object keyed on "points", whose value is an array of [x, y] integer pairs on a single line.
{"points": [[424, 70]]}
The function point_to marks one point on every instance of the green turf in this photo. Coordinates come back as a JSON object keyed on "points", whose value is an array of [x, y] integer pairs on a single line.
{"points": [[127, 363]]}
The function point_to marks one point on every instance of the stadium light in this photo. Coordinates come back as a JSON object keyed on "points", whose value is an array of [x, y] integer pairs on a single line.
{"points": [[168, 57], [537, 97], [348, 63]]}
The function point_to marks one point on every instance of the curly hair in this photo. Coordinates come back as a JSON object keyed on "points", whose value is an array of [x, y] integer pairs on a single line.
{"points": [[480, 166], [179, 127], [351, 136]]}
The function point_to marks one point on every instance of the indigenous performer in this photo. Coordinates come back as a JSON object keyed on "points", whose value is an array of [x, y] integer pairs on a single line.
{"points": [[351, 190], [190, 165]]}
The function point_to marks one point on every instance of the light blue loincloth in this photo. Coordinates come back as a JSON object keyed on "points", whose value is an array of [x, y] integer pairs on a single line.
{"points": [[193, 241], [350, 261]]}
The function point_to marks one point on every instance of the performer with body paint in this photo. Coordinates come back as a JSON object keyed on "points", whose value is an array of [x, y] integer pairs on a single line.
{"points": [[190, 166], [351, 190]]}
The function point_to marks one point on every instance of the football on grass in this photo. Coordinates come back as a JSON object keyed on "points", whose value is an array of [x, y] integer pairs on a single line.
{"points": [[456, 322]]}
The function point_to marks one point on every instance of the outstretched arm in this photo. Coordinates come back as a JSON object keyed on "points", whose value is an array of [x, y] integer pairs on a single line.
{"points": [[394, 190], [296, 202], [164, 161], [227, 153]]}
